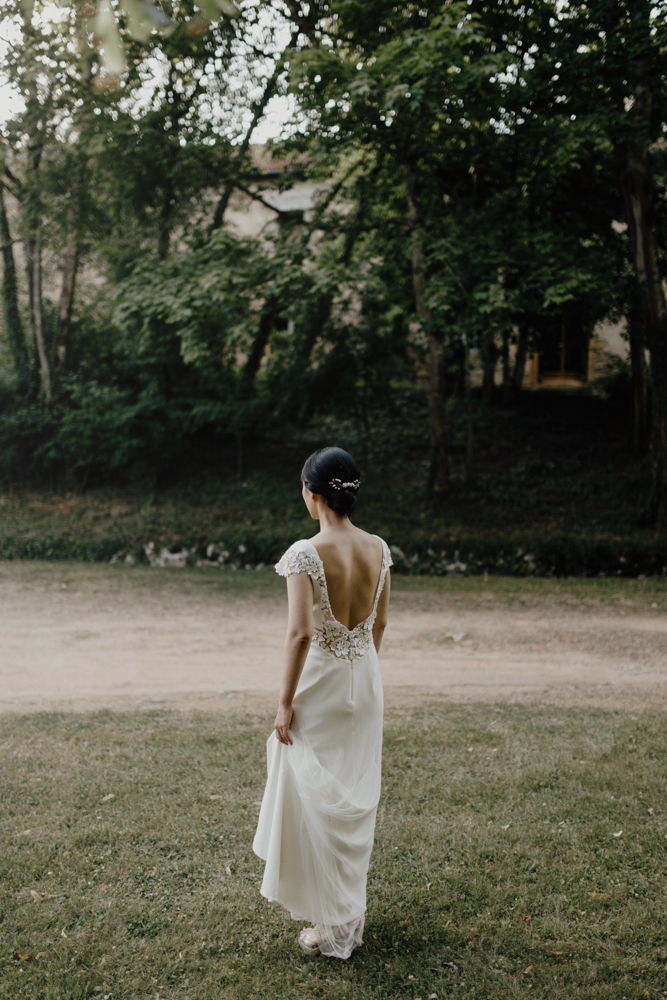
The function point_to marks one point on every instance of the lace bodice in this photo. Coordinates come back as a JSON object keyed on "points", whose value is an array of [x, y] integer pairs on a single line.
{"points": [[328, 632]]}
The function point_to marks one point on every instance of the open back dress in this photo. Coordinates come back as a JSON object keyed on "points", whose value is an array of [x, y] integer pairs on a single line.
{"points": [[317, 820]]}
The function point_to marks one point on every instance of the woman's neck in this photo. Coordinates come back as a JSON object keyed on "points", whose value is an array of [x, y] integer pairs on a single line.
{"points": [[332, 522]]}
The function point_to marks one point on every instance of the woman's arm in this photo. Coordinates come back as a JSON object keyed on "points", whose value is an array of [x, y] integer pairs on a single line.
{"points": [[297, 643], [382, 616]]}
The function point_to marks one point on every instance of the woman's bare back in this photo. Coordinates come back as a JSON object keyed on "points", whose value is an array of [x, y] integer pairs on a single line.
{"points": [[352, 561]]}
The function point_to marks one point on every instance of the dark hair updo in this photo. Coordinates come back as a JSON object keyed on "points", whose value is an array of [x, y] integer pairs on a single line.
{"points": [[333, 474]]}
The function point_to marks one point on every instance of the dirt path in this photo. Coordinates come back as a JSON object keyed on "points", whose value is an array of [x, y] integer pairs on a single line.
{"points": [[84, 637]]}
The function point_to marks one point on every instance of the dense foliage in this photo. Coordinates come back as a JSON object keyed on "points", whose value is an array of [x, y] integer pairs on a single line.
{"points": [[487, 171]]}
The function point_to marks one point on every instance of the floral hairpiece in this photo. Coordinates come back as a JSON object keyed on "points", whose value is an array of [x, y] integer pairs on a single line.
{"points": [[340, 485]]}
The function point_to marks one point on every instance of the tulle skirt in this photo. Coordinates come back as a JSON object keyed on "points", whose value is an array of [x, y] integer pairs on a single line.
{"points": [[317, 821]]}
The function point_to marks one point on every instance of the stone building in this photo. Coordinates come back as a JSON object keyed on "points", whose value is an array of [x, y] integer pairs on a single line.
{"points": [[279, 196]]}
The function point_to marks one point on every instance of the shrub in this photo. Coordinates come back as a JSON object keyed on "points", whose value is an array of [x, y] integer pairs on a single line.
{"points": [[25, 429], [615, 380], [98, 432], [558, 555]]}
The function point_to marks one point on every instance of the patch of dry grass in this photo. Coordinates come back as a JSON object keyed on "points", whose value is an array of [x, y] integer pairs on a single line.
{"points": [[647, 595], [127, 868]]}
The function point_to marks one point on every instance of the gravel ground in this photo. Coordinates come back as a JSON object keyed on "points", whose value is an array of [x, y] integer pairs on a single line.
{"points": [[80, 637]]}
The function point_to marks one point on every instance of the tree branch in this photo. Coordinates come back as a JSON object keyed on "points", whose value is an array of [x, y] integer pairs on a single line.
{"points": [[258, 111], [257, 197], [15, 181]]}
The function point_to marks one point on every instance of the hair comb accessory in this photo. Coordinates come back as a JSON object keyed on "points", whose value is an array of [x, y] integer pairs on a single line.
{"points": [[338, 484]]}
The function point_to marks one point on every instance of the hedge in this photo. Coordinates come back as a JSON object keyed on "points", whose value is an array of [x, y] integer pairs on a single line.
{"points": [[556, 555]]}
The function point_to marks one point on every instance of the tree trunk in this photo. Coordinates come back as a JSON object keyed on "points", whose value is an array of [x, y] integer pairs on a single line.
{"points": [[38, 320], [436, 343], [70, 267], [32, 213], [10, 302], [164, 225], [318, 307], [507, 374], [520, 358], [489, 354], [639, 375], [637, 191], [29, 253], [265, 328], [470, 417]]}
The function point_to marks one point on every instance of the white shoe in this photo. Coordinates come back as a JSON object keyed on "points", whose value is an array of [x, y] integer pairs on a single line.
{"points": [[308, 941]]}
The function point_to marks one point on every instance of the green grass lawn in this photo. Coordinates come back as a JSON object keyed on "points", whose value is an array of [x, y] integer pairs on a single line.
{"points": [[499, 871]]}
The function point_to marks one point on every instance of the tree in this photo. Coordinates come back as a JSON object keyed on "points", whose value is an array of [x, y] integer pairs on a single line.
{"points": [[409, 84], [609, 54], [508, 201], [474, 157], [12, 315]]}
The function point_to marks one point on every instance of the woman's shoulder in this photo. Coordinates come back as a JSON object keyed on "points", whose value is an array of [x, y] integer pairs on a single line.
{"points": [[362, 544], [386, 552], [300, 557]]}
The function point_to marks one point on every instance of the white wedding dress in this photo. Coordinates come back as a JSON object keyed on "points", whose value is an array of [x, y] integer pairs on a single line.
{"points": [[317, 821]]}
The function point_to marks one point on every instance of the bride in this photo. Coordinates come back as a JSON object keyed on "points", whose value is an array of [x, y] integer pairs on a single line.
{"points": [[317, 820]]}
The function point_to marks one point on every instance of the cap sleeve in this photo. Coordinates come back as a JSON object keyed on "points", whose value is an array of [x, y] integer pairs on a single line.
{"points": [[297, 559], [387, 561]]}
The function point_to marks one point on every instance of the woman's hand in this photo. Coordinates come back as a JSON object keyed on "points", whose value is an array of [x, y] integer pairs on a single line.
{"points": [[282, 724]]}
